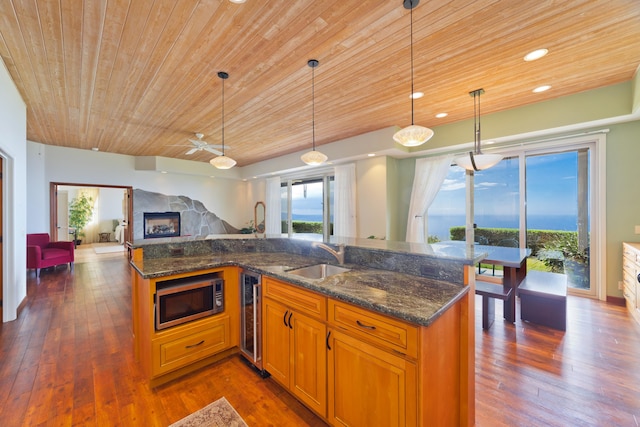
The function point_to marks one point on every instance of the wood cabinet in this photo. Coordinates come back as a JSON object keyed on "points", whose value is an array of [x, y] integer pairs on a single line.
{"points": [[369, 369], [169, 353], [369, 386], [372, 368], [294, 341], [631, 277], [194, 341]]}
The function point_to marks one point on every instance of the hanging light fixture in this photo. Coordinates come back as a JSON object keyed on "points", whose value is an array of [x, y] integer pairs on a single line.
{"points": [[477, 160], [223, 162], [413, 135], [313, 157]]}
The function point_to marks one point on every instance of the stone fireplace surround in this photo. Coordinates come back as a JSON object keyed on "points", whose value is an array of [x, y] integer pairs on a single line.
{"points": [[195, 219]]}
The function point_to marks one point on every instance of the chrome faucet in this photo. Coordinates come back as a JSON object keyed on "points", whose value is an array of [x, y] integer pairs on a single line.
{"points": [[339, 254]]}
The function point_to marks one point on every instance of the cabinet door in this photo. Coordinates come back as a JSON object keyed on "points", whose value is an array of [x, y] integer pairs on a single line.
{"points": [[369, 386], [309, 362], [275, 340]]}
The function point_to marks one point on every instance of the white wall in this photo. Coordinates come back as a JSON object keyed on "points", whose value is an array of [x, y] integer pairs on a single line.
{"points": [[227, 198], [371, 194], [13, 150]]}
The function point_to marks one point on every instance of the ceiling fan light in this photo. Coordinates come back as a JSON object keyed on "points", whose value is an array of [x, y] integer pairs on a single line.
{"points": [[223, 162], [413, 135], [478, 162], [313, 158]]}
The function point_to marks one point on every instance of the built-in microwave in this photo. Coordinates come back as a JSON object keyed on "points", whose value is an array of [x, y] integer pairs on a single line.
{"points": [[183, 300]]}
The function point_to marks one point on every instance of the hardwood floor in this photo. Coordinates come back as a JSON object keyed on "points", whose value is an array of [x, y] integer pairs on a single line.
{"points": [[68, 360]]}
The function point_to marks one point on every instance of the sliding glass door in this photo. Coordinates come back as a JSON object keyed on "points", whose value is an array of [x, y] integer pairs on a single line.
{"points": [[558, 212], [540, 199]]}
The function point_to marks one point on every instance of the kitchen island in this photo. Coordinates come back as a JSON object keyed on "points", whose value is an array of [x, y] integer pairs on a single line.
{"points": [[411, 334]]}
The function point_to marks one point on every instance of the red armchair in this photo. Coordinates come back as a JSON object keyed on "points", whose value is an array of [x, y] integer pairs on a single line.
{"points": [[42, 253]]}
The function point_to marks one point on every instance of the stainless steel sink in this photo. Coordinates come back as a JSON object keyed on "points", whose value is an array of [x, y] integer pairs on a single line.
{"points": [[318, 271]]}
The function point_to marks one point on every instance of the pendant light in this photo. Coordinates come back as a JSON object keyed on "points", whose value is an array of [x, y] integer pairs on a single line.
{"points": [[413, 135], [476, 160], [223, 162], [313, 157]]}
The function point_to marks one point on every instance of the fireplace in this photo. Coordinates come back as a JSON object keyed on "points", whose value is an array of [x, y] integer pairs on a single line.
{"points": [[161, 224]]}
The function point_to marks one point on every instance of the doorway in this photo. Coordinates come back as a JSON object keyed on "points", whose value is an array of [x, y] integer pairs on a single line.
{"points": [[112, 205]]}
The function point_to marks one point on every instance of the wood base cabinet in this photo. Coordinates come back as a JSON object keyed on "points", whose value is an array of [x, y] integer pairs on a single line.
{"points": [[369, 386], [169, 353], [294, 342], [356, 367]]}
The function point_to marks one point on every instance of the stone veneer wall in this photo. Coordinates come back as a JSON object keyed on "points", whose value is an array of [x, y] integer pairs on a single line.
{"points": [[195, 219]]}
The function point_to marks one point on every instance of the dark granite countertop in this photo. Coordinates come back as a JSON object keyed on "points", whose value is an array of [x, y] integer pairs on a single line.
{"points": [[416, 299]]}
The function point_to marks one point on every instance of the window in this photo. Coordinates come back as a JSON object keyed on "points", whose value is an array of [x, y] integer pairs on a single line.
{"points": [[307, 206]]}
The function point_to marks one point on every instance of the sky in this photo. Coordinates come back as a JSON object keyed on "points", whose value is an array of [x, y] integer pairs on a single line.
{"points": [[551, 189]]}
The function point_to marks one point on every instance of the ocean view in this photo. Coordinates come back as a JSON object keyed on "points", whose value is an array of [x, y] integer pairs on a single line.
{"points": [[439, 224]]}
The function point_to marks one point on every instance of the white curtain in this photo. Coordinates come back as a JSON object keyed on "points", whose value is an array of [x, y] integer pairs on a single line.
{"points": [[273, 222], [344, 216], [429, 176]]}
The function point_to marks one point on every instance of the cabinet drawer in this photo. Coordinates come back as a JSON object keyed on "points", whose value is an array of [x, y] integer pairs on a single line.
{"points": [[630, 266], [296, 298], [375, 328], [630, 253], [190, 344]]}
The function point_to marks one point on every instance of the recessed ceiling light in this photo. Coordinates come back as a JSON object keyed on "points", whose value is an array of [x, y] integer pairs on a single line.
{"points": [[441, 115], [536, 54], [237, 1], [416, 95], [371, 154], [541, 89], [163, 171]]}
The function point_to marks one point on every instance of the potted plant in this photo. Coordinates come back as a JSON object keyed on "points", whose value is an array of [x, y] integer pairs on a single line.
{"points": [[80, 212]]}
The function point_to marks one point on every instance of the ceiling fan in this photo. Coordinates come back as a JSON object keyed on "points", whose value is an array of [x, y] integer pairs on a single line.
{"points": [[200, 145]]}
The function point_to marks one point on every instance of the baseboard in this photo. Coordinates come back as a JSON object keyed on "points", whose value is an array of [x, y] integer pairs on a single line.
{"points": [[616, 300]]}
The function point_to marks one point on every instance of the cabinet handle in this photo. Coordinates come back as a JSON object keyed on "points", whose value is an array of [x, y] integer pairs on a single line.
{"points": [[284, 318], [290, 326], [362, 325], [194, 345], [328, 335]]}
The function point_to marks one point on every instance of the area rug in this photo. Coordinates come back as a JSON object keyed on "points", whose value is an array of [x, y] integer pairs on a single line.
{"points": [[108, 249], [217, 414]]}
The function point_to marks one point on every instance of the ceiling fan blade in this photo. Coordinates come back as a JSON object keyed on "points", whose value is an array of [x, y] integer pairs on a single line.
{"points": [[212, 150], [198, 142], [193, 150]]}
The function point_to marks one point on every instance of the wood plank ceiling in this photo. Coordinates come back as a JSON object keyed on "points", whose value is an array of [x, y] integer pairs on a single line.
{"points": [[139, 77]]}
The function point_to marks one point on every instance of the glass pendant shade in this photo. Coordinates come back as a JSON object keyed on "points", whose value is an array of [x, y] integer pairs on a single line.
{"points": [[413, 135], [223, 162], [478, 162], [314, 158]]}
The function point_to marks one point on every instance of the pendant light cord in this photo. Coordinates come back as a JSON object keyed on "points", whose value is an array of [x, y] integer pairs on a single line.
{"points": [[223, 117], [313, 107], [411, 47], [223, 76], [476, 128]]}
